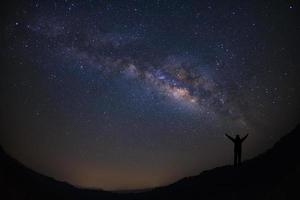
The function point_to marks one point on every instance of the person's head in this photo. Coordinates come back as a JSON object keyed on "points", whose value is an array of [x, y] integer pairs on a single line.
{"points": [[237, 136]]}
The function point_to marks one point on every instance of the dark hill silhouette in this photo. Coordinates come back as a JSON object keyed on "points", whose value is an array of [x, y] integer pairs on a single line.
{"points": [[274, 174]]}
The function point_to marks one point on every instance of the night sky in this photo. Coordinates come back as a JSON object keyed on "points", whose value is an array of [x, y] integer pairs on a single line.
{"points": [[137, 94]]}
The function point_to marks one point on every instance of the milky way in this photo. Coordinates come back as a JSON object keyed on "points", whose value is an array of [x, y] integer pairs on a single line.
{"points": [[176, 76], [137, 94]]}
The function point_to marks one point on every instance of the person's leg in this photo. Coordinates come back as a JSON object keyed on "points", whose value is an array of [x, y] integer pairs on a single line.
{"points": [[235, 158], [239, 157]]}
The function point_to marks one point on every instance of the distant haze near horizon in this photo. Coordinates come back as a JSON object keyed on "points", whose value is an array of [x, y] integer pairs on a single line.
{"points": [[124, 96]]}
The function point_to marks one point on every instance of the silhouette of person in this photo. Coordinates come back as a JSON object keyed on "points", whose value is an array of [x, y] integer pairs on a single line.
{"points": [[237, 148]]}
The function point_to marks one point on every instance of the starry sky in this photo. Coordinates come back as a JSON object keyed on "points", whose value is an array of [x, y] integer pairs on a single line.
{"points": [[137, 94]]}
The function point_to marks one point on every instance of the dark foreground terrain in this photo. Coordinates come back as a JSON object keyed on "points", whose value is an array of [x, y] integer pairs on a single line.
{"points": [[274, 174]]}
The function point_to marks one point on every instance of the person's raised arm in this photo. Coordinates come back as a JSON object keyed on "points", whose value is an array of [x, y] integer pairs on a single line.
{"points": [[229, 137], [244, 137]]}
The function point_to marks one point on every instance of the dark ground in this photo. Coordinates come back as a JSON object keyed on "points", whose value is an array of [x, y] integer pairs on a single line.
{"points": [[274, 174]]}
